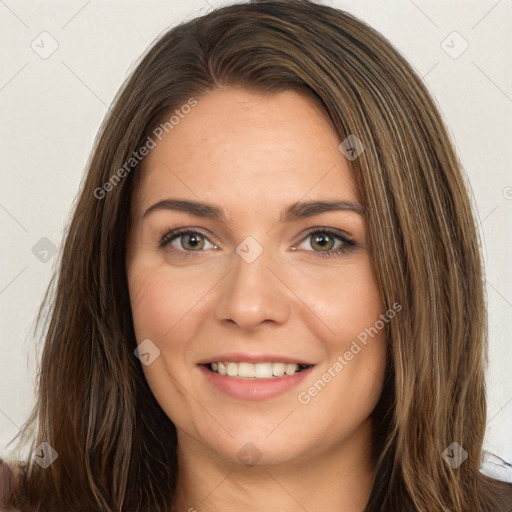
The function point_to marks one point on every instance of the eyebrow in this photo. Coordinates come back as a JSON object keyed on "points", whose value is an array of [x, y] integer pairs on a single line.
{"points": [[295, 211]]}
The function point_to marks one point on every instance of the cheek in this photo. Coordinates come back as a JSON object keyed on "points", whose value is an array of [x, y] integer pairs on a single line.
{"points": [[168, 307], [150, 302], [346, 300], [159, 300], [161, 307], [353, 333]]}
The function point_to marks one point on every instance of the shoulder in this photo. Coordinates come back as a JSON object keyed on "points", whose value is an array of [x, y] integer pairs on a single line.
{"points": [[6, 494]]}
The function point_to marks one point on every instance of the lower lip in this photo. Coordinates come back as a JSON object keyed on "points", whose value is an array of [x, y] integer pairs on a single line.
{"points": [[254, 389]]}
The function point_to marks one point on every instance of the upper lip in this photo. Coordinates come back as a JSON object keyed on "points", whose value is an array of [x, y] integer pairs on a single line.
{"points": [[238, 357]]}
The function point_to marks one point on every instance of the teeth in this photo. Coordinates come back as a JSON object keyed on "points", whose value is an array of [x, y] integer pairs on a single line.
{"points": [[263, 370], [232, 369], [255, 370], [247, 370], [278, 369], [290, 369]]}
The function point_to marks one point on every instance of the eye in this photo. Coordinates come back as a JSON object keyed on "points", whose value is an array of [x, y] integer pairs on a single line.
{"points": [[326, 242], [324, 239], [190, 241]]}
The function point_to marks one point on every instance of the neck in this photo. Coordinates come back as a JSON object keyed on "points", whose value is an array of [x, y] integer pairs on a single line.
{"points": [[334, 476]]}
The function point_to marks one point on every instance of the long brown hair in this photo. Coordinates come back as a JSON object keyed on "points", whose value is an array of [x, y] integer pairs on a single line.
{"points": [[116, 447]]}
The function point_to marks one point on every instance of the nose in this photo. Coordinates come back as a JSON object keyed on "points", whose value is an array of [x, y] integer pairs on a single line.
{"points": [[254, 293]]}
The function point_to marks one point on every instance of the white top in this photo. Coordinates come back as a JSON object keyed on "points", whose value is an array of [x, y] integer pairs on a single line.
{"points": [[496, 467]]}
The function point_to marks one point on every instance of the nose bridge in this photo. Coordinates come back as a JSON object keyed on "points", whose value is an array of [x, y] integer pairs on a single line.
{"points": [[252, 293]]}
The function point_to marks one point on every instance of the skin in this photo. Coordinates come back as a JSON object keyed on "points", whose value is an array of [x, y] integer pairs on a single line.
{"points": [[252, 155]]}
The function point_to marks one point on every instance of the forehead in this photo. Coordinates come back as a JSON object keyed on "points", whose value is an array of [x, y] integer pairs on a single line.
{"points": [[243, 149]]}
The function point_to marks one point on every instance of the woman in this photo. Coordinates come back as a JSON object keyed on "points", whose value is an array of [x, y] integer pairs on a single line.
{"points": [[271, 293]]}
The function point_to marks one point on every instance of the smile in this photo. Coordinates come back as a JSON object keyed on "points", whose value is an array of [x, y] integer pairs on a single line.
{"points": [[229, 378], [249, 370]]}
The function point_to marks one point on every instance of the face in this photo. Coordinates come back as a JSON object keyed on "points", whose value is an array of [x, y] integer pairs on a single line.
{"points": [[255, 281]]}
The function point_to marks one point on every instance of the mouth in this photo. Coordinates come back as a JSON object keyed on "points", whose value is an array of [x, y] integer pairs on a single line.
{"points": [[254, 380], [256, 371]]}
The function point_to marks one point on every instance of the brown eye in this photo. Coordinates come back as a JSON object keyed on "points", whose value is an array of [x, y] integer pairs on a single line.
{"points": [[322, 241], [191, 241], [327, 242], [186, 241]]}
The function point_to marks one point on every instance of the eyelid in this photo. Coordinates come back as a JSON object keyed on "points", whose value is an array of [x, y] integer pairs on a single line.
{"points": [[173, 233], [325, 229], [347, 242]]}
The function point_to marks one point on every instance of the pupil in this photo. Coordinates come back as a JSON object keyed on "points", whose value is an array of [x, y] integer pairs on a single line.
{"points": [[194, 239], [325, 237]]}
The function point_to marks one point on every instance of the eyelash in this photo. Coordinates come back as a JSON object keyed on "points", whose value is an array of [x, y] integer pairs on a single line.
{"points": [[348, 243]]}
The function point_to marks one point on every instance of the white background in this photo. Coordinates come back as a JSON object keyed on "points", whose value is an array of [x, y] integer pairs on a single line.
{"points": [[51, 109]]}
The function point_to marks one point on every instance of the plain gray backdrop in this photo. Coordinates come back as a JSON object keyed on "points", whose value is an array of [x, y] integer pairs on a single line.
{"points": [[62, 63]]}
